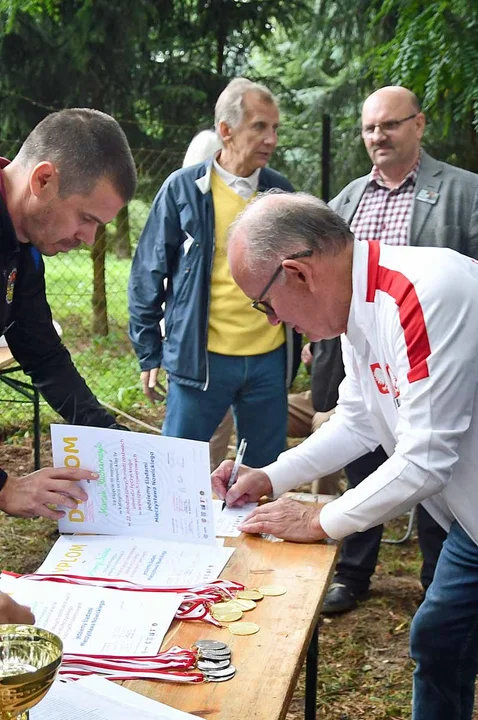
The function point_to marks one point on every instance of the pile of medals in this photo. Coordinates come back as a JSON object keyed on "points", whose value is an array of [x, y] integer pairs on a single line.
{"points": [[214, 656], [214, 660], [229, 611]]}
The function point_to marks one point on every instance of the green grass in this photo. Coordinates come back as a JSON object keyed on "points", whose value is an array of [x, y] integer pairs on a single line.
{"points": [[69, 281]]}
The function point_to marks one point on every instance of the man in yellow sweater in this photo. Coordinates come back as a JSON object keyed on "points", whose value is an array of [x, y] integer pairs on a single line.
{"points": [[217, 350]]}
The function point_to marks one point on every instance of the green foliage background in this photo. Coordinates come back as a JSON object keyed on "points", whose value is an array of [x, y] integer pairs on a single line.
{"points": [[158, 66]]}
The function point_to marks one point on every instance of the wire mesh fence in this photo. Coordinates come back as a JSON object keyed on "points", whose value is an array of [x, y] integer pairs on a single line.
{"points": [[87, 289]]}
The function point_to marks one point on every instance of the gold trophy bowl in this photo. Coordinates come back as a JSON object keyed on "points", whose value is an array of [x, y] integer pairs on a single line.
{"points": [[29, 661]]}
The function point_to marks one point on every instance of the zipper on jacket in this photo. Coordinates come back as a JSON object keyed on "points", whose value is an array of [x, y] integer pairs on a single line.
{"points": [[206, 385]]}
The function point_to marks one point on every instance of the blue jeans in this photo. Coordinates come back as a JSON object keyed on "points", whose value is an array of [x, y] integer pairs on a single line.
{"points": [[255, 387], [444, 634]]}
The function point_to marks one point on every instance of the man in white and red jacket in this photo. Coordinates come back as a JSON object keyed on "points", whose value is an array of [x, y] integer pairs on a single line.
{"points": [[409, 318]]}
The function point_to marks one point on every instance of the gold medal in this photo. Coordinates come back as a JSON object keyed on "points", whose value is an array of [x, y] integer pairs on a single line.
{"points": [[252, 594], [228, 616], [272, 590], [225, 605], [223, 612], [244, 628], [244, 605]]}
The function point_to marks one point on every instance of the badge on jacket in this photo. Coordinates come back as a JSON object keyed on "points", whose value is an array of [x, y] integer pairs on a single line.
{"points": [[383, 385], [428, 196], [10, 286]]}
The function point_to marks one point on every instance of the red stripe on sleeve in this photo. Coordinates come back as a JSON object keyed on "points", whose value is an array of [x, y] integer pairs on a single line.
{"points": [[373, 258], [410, 311]]}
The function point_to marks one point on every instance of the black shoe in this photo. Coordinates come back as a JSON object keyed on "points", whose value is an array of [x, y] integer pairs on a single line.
{"points": [[339, 599]]}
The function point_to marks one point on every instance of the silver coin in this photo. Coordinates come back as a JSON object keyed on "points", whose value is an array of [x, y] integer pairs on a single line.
{"points": [[214, 654], [212, 665], [210, 645], [223, 673], [209, 678], [214, 659]]}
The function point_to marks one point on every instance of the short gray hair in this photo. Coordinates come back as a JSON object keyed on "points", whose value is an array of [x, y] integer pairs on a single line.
{"points": [[85, 145], [230, 105], [277, 224]]}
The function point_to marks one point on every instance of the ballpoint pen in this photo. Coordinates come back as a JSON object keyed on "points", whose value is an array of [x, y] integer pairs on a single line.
{"points": [[235, 469]]}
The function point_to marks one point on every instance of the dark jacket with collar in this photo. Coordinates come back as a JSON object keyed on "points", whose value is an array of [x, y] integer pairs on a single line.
{"points": [[177, 246], [444, 214], [26, 321]]}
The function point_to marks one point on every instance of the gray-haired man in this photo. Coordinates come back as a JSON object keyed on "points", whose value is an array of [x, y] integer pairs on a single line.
{"points": [[216, 350], [408, 318]]}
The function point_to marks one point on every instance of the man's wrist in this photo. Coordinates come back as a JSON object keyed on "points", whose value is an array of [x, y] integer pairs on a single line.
{"points": [[316, 527]]}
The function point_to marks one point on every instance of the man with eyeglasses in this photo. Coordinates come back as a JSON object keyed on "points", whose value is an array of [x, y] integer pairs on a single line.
{"points": [[217, 350], [410, 345], [408, 198]]}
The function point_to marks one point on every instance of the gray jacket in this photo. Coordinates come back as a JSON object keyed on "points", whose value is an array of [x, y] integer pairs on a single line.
{"points": [[448, 217]]}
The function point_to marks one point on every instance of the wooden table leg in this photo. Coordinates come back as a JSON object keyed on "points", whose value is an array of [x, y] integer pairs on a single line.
{"points": [[36, 428], [311, 669]]}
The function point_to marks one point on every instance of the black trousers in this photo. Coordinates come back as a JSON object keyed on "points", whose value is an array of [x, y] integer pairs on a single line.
{"points": [[360, 551]]}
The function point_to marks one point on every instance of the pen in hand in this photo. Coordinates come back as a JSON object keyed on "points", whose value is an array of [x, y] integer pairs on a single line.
{"points": [[235, 469]]}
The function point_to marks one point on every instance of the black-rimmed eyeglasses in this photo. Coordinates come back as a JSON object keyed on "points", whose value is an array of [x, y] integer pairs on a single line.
{"points": [[262, 305], [389, 126]]}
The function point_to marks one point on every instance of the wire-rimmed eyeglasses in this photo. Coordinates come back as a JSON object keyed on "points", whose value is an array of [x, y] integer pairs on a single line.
{"points": [[262, 305], [386, 127]]}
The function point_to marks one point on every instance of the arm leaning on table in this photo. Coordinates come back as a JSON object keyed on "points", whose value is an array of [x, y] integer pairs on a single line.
{"points": [[347, 436], [429, 445], [37, 347]]}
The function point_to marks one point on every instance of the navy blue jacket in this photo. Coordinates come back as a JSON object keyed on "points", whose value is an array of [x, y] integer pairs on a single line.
{"points": [[177, 245]]}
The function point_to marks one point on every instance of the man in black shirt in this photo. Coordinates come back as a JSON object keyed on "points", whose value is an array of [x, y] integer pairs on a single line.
{"points": [[74, 172]]}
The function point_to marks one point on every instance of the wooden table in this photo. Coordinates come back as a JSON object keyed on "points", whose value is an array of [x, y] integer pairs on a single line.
{"points": [[267, 663]]}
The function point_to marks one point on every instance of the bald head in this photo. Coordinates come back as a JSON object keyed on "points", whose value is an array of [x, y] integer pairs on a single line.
{"points": [[395, 97], [392, 130]]}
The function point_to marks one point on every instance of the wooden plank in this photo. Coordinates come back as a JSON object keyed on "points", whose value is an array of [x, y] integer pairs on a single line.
{"points": [[268, 663]]}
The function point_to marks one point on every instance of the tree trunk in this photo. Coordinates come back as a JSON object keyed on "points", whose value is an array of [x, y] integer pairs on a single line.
{"points": [[473, 160], [98, 255], [221, 37], [122, 245]]}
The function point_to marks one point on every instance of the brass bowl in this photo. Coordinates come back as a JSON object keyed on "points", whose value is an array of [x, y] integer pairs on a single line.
{"points": [[29, 661]]}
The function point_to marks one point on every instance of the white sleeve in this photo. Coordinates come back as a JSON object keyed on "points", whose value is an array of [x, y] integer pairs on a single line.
{"points": [[345, 437], [435, 410]]}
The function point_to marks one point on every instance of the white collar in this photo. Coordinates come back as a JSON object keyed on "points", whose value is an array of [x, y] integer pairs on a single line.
{"points": [[244, 186]]}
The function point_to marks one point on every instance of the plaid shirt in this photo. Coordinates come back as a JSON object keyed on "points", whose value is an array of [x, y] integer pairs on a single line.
{"points": [[384, 214]]}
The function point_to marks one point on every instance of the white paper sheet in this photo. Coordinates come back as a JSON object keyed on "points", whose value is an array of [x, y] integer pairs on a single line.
{"points": [[149, 485], [145, 561], [97, 621], [130, 698], [75, 701], [227, 520]]}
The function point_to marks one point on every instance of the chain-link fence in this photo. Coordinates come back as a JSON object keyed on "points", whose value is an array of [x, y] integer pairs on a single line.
{"points": [[87, 288]]}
